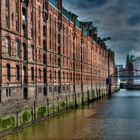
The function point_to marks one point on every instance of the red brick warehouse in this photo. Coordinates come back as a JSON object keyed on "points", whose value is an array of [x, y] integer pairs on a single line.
{"points": [[45, 50]]}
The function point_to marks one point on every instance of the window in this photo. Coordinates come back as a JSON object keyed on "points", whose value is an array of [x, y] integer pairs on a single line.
{"points": [[24, 30], [31, 15], [44, 44], [25, 74], [24, 52], [17, 48], [32, 33], [55, 75], [50, 89], [17, 27], [55, 88], [12, 19], [44, 31], [45, 91], [59, 39], [16, 3], [8, 47], [44, 59], [32, 52], [7, 3], [50, 32], [8, 72], [26, 1], [39, 38], [63, 75], [45, 76], [39, 55], [7, 22], [24, 13], [71, 76], [39, 89], [25, 94], [50, 58], [39, 9], [64, 88], [0, 95], [17, 72], [40, 74], [32, 74], [50, 75], [67, 75], [7, 92], [45, 9]]}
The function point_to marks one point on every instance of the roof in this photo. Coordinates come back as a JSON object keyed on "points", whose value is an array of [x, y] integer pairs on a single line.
{"points": [[69, 15]]}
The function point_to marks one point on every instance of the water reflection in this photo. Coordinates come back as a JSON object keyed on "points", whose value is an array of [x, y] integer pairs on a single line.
{"points": [[113, 118]]}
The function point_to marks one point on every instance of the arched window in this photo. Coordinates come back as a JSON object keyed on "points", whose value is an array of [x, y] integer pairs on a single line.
{"points": [[32, 74], [17, 72], [17, 48], [8, 74]]}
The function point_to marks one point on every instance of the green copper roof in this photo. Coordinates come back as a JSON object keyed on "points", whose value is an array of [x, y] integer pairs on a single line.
{"points": [[54, 3], [69, 15]]}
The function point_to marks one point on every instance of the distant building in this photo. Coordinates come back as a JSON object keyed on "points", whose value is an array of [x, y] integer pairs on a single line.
{"points": [[119, 67], [133, 63], [121, 71]]}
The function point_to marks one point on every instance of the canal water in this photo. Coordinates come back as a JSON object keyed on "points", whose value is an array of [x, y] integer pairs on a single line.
{"points": [[115, 118]]}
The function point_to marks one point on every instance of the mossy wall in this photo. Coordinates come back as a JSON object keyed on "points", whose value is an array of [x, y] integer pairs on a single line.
{"points": [[34, 114], [7, 123]]}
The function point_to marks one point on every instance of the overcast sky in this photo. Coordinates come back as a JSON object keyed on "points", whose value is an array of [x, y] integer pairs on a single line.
{"points": [[118, 19]]}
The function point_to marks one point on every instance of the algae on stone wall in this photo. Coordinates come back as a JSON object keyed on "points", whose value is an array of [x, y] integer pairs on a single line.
{"points": [[41, 112], [26, 116], [7, 123]]}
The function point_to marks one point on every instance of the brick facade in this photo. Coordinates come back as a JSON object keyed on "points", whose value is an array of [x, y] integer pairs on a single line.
{"points": [[43, 53]]}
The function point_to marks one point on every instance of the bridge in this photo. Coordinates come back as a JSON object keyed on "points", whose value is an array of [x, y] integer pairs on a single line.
{"points": [[130, 77]]}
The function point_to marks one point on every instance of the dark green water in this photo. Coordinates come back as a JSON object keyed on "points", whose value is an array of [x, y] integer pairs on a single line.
{"points": [[115, 118]]}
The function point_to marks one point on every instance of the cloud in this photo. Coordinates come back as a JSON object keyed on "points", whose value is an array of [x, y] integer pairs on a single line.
{"points": [[91, 3], [134, 20], [87, 3], [119, 19]]}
